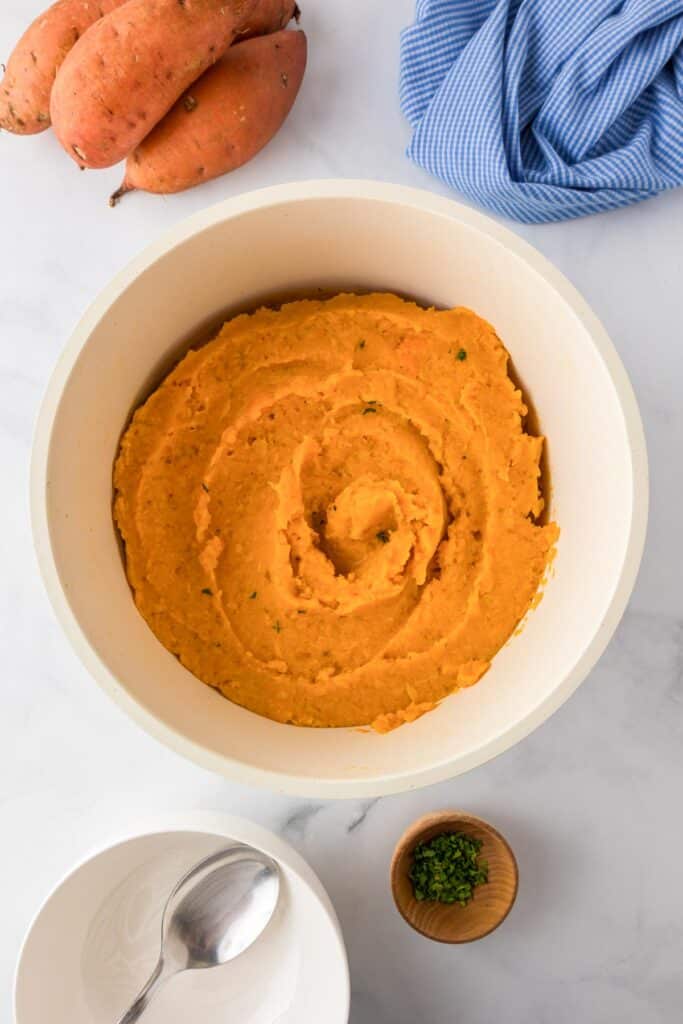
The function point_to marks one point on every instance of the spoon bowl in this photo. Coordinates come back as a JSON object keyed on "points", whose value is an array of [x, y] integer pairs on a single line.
{"points": [[107, 912], [219, 908]]}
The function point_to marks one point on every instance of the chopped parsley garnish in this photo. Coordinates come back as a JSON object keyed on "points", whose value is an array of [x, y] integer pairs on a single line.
{"points": [[447, 869], [277, 627], [461, 354], [383, 536]]}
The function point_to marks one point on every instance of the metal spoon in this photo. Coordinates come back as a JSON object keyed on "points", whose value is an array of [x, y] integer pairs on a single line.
{"points": [[215, 912]]}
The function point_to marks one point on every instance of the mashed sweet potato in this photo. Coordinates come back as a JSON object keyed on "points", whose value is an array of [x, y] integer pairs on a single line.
{"points": [[330, 512]]}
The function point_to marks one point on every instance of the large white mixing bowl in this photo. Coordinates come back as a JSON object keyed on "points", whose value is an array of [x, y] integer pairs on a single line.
{"points": [[342, 235]]}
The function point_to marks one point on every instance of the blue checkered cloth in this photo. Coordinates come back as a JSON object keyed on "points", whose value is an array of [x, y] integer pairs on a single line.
{"points": [[544, 110]]}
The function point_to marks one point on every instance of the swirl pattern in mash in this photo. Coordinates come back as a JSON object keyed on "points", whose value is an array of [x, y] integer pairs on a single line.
{"points": [[330, 511]]}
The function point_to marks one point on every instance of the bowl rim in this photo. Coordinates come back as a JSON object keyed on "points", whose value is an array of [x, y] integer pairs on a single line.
{"points": [[282, 781], [233, 827]]}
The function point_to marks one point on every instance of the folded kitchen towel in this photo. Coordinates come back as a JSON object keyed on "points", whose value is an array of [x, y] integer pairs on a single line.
{"points": [[547, 109]]}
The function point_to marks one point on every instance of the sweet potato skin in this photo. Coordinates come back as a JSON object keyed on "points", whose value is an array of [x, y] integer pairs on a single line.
{"points": [[128, 70], [33, 64], [269, 16], [224, 119]]}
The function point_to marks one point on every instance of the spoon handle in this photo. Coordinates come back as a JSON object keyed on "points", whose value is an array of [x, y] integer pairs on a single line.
{"points": [[159, 976]]}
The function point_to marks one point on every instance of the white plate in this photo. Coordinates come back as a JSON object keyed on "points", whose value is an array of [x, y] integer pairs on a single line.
{"points": [[95, 940], [342, 235]]}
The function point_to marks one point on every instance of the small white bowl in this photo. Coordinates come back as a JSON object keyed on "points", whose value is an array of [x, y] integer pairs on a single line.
{"points": [[342, 235], [95, 940]]}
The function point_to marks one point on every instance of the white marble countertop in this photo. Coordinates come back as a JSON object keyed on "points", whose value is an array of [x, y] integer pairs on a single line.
{"points": [[591, 802]]}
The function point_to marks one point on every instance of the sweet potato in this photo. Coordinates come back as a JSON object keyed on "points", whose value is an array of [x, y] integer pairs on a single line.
{"points": [[269, 16], [224, 119], [128, 70], [32, 66]]}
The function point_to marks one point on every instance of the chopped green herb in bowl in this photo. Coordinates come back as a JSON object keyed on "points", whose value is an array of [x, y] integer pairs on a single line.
{"points": [[447, 869]]}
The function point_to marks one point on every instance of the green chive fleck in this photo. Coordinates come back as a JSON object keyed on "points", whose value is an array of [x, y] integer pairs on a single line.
{"points": [[383, 536], [277, 627], [461, 354], [447, 869]]}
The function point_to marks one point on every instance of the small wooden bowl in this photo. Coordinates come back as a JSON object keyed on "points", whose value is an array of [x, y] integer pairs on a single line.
{"points": [[490, 904]]}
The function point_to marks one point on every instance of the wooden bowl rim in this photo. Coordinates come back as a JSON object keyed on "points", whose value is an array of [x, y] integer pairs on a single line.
{"points": [[411, 837]]}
